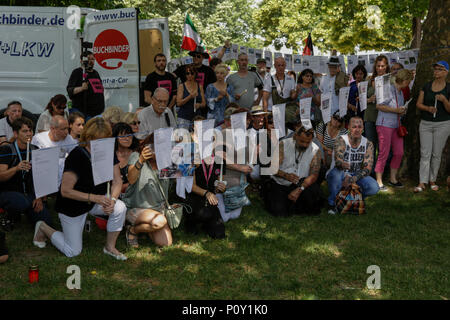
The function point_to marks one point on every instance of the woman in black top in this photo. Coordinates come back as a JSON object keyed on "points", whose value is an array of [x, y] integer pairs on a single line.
{"points": [[79, 196], [203, 200], [123, 147]]}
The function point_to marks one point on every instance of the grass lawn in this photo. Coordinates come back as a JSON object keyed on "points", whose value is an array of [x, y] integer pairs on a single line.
{"points": [[323, 257]]}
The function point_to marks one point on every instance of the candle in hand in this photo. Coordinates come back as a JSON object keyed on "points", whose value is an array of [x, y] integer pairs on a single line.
{"points": [[108, 193], [28, 150]]}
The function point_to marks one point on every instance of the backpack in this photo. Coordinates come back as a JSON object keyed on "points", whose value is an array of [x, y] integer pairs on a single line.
{"points": [[350, 201]]}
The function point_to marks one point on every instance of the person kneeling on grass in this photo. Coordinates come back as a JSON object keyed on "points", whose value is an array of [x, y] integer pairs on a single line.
{"points": [[79, 196], [295, 188], [144, 199], [352, 163], [204, 201]]}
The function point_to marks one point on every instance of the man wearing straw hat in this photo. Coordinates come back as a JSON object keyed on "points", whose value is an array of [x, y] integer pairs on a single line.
{"points": [[16, 180]]}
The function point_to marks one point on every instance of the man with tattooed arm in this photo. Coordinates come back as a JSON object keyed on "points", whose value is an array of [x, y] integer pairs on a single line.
{"points": [[295, 189], [352, 163]]}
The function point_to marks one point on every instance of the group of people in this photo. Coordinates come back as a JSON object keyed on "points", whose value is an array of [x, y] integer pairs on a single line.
{"points": [[350, 150]]}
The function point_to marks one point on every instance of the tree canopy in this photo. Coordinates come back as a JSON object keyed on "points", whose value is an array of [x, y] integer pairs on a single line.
{"points": [[344, 25], [339, 24]]}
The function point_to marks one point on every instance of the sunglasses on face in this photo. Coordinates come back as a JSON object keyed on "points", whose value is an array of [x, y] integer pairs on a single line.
{"points": [[134, 123], [198, 56]]}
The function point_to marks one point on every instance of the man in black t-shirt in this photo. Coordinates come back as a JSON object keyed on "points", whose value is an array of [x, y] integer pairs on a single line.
{"points": [[85, 88], [16, 178], [160, 78], [205, 75]]}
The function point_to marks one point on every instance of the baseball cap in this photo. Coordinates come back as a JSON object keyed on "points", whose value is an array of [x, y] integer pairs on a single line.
{"points": [[442, 63]]}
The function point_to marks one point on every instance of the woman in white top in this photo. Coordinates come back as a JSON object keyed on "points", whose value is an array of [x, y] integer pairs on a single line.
{"points": [[55, 107], [76, 125]]}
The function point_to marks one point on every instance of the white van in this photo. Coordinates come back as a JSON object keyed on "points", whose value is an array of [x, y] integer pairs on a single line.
{"points": [[40, 46]]}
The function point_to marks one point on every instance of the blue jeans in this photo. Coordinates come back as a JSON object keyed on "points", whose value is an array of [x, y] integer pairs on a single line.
{"points": [[335, 178], [15, 202], [370, 132]]}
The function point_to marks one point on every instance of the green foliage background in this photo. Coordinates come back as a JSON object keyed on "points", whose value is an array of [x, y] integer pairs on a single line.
{"points": [[334, 24]]}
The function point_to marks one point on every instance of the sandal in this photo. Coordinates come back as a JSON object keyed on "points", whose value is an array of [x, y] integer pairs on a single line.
{"points": [[418, 189], [434, 187], [132, 242]]}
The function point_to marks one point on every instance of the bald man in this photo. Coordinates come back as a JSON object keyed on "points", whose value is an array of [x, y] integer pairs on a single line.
{"points": [[280, 87], [57, 136]]}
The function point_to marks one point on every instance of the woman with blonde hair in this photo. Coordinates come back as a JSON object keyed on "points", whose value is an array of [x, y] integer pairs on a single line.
{"points": [[113, 115], [132, 120], [388, 121], [218, 95], [79, 196]]}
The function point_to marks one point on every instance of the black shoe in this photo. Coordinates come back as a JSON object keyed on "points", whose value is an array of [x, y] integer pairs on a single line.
{"points": [[396, 185]]}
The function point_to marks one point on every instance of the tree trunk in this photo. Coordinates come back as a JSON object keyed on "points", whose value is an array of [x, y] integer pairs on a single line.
{"points": [[434, 47], [417, 33]]}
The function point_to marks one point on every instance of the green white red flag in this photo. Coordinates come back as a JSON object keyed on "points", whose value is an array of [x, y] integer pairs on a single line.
{"points": [[191, 38]]}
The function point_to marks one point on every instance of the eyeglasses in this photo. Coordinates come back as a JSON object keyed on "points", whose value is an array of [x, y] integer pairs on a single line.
{"points": [[198, 56], [190, 73], [134, 123]]}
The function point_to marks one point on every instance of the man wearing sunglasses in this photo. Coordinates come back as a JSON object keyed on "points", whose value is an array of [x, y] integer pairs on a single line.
{"points": [[294, 188], [160, 79]]}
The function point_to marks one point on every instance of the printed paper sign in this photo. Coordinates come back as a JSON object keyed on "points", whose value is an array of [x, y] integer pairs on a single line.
{"points": [[305, 112], [268, 57], [325, 106], [102, 159], [45, 171], [239, 128], [382, 88], [362, 93], [343, 100], [298, 67], [279, 111], [163, 143]]}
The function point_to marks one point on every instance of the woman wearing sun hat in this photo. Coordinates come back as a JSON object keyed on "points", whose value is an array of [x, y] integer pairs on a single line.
{"points": [[434, 127]]}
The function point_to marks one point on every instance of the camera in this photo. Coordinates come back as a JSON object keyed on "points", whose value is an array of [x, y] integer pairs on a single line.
{"points": [[86, 45]]}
